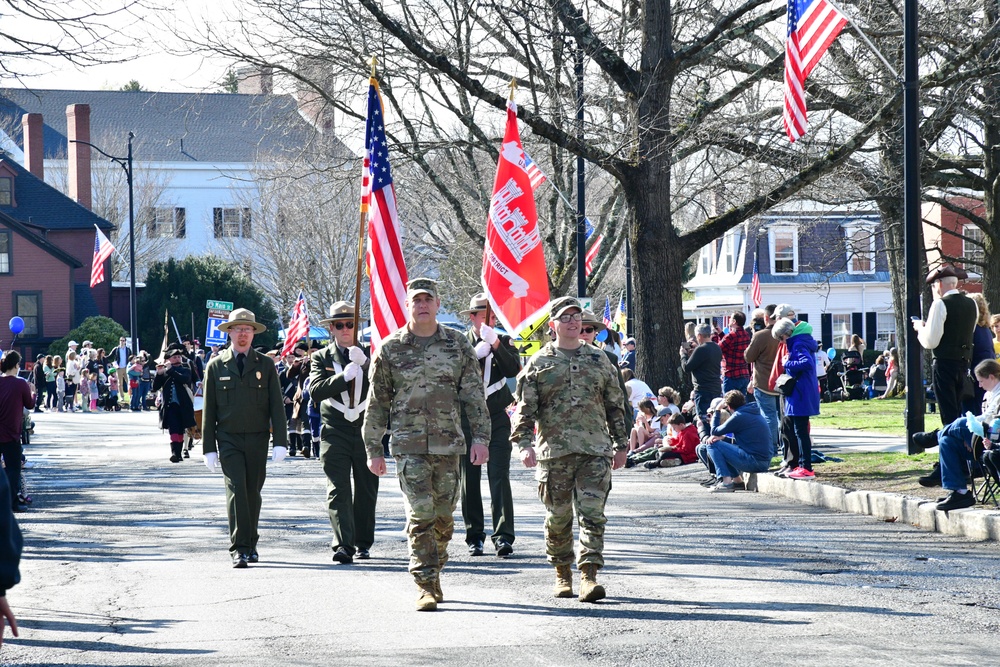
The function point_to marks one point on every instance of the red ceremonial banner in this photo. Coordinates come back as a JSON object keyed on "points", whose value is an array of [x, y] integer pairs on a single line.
{"points": [[514, 276]]}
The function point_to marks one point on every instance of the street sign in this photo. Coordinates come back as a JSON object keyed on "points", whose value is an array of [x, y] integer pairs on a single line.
{"points": [[587, 302], [212, 334], [215, 312], [212, 304], [526, 348]]}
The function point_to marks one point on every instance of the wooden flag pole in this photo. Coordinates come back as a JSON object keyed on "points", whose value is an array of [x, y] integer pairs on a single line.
{"points": [[489, 304], [361, 245]]}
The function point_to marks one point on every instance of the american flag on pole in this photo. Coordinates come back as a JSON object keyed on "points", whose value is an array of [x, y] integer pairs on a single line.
{"points": [[298, 326], [384, 260], [607, 312], [102, 251], [755, 284], [595, 248], [535, 175], [812, 27]]}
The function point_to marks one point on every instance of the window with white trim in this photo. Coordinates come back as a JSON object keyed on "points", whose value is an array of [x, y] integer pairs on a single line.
{"points": [[708, 254], [885, 329], [5, 251], [860, 249], [166, 222], [730, 249], [784, 245], [972, 248], [841, 330], [231, 222]]}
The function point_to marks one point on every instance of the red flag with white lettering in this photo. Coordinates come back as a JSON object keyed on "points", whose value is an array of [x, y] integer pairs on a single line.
{"points": [[514, 276]]}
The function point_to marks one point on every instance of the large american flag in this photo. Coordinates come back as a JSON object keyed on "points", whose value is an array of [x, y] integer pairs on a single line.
{"points": [[755, 284], [595, 248], [102, 251], [535, 175], [384, 260], [812, 27], [298, 326]]}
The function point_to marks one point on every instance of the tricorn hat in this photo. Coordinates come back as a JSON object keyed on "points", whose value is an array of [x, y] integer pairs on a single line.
{"points": [[477, 304], [174, 350], [946, 271], [342, 310], [242, 316]]}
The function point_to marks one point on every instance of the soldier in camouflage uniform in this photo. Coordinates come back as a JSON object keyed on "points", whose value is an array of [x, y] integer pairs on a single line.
{"points": [[570, 391], [422, 377]]}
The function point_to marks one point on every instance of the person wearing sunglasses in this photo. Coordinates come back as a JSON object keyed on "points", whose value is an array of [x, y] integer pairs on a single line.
{"points": [[569, 390], [498, 362], [591, 326], [338, 384]]}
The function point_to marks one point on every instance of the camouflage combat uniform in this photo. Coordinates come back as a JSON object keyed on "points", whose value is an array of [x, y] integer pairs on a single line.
{"points": [[420, 387], [574, 399]]}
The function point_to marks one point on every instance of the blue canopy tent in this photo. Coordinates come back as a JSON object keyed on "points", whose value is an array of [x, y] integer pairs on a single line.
{"points": [[315, 333]]}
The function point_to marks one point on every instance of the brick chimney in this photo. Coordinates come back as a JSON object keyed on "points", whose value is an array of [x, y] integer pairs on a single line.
{"points": [[31, 130], [255, 80], [78, 172]]}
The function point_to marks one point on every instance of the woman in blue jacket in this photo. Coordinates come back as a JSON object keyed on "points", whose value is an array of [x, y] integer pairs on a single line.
{"points": [[803, 403]]}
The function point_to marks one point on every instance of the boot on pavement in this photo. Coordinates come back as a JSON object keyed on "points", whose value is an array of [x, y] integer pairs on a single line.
{"points": [[590, 590], [564, 582], [426, 600], [438, 594]]}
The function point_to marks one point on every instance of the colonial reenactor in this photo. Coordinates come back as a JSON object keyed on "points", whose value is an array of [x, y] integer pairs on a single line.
{"points": [[293, 379], [176, 404], [498, 361], [422, 377], [568, 390], [243, 407], [338, 384]]}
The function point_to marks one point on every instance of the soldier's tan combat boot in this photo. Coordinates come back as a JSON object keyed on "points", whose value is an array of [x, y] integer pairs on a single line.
{"points": [[564, 582], [426, 601], [438, 595], [590, 590]]}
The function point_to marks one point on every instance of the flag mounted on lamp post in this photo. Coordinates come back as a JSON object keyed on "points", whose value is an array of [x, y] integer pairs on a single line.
{"points": [[102, 251], [514, 275]]}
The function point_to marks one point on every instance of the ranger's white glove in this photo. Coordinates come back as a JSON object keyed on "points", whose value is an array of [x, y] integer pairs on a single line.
{"points": [[482, 349], [352, 371], [487, 333], [211, 460], [357, 355], [279, 454]]}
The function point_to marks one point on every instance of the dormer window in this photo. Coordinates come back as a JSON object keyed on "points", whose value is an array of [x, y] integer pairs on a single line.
{"points": [[6, 191]]}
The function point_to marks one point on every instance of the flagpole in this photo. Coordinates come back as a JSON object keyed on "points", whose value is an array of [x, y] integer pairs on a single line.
{"points": [[489, 306], [361, 246], [867, 41]]}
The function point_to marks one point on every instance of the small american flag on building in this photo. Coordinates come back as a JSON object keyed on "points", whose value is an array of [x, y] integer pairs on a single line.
{"points": [[298, 326], [102, 251], [535, 175]]}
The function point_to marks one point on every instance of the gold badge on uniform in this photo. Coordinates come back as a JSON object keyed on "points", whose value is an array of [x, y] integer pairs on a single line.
{"points": [[258, 375]]}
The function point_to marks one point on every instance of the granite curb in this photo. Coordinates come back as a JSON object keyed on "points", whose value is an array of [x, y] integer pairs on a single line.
{"points": [[973, 523]]}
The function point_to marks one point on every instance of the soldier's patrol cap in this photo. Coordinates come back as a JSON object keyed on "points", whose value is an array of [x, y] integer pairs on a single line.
{"points": [[342, 310], [477, 304], [591, 319], [421, 286], [561, 305], [946, 271]]}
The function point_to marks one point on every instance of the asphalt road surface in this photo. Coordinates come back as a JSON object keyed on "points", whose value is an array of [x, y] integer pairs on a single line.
{"points": [[126, 563]]}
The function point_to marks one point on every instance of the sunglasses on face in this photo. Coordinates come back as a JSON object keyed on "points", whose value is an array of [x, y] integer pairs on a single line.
{"points": [[588, 330], [570, 317], [343, 325]]}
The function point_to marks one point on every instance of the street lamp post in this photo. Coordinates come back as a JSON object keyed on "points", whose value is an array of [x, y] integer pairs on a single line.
{"points": [[126, 164]]}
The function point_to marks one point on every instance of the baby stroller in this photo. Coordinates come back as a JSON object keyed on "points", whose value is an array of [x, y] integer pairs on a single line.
{"points": [[104, 401]]}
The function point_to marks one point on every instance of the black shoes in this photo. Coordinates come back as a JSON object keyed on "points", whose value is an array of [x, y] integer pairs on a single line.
{"points": [[19, 507], [341, 556], [363, 554], [253, 557], [957, 501], [933, 478], [504, 549], [921, 441], [476, 548], [174, 458], [240, 560]]}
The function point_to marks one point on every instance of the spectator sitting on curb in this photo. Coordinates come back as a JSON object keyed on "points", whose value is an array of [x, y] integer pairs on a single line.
{"points": [[637, 389], [680, 447], [750, 450], [646, 431], [669, 398], [701, 451]]}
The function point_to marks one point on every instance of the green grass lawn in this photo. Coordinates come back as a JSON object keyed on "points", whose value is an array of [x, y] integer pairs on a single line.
{"points": [[893, 472], [880, 416]]}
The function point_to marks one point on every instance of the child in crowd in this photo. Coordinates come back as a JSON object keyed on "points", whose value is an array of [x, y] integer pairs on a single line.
{"points": [[113, 391], [646, 428], [85, 392], [60, 389], [682, 438], [95, 392]]}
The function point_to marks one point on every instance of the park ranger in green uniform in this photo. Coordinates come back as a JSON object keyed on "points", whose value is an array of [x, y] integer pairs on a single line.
{"points": [[243, 406], [569, 391], [422, 377], [338, 383]]}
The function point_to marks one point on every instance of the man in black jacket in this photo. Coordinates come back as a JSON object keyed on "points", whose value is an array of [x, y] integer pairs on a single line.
{"points": [[499, 361], [704, 363]]}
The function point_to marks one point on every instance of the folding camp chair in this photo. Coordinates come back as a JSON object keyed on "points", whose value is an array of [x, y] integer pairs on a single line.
{"points": [[983, 465]]}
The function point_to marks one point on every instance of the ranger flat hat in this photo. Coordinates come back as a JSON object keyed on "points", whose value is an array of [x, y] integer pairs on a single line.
{"points": [[421, 286], [342, 310], [591, 319], [477, 304], [559, 306], [946, 271], [242, 316]]}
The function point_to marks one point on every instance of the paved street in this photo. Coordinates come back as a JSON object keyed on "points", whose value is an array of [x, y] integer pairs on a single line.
{"points": [[126, 563]]}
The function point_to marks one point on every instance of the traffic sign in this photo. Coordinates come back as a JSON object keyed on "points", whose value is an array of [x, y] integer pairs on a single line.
{"points": [[212, 334], [212, 304], [526, 348]]}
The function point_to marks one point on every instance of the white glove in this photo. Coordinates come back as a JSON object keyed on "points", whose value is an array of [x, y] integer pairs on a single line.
{"points": [[483, 348], [211, 460], [357, 355], [352, 371], [487, 333], [279, 453]]}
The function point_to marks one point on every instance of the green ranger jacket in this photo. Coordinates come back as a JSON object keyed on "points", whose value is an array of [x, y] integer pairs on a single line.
{"points": [[575, 401], [421, 393], [332, 393], [504, 363], [242, 405]]}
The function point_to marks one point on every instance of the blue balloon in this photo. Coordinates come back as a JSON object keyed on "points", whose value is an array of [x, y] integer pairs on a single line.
{"points": [[725, 331], [831, 353], [16, 325], [602, 336]]}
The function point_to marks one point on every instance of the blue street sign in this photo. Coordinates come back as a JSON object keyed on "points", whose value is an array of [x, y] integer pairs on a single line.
{"points": [[212, 334]]}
